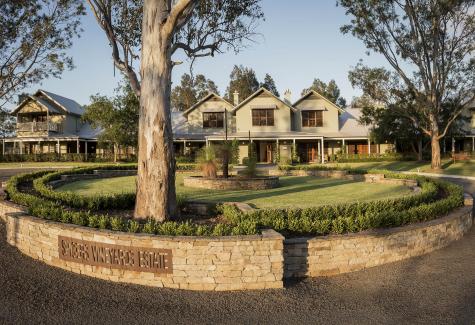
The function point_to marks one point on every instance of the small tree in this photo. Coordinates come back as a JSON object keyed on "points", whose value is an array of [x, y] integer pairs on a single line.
{"points": [[117, 117], [429, 45], [33, 39], [207, 161]]}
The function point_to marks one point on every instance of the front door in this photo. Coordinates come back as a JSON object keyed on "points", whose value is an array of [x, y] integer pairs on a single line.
{"points": [[269, 153], [311, 152]]}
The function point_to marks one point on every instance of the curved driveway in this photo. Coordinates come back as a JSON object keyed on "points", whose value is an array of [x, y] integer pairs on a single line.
{"points": [[437, 288]]}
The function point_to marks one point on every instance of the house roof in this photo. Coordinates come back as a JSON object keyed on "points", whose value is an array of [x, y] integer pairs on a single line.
{"points": [[204, 99], [53, 102], [258, 92], [349, 123], [313, 92]]}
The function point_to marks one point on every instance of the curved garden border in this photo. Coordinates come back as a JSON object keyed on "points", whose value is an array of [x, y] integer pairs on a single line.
{"points": [[232, 183], [235, 262]]}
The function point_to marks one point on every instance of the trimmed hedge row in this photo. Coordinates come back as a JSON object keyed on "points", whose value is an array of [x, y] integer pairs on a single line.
{"points": [[51, 210], [124, 200], [355, 217], [337, 219]]}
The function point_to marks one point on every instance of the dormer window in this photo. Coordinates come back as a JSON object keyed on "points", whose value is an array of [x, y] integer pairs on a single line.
{"points": [[262, 117], [312, 118], [213, 120]]}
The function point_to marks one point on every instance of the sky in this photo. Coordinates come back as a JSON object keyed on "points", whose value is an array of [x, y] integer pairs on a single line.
{"points": [[300, 40]]}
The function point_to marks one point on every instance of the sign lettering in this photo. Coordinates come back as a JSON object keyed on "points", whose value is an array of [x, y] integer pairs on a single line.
{"points": [[114, 256]]}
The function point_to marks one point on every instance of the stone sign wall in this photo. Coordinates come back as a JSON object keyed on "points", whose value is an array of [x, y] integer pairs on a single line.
{"points": [[193, 263], [220, 263]]}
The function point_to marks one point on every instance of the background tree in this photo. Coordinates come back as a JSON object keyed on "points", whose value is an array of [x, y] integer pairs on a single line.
{"points": [[269, 84], [33, 39], [190, 91], [117, 117], [331, 91], [244, 81], [196, 27], [429, 44]]}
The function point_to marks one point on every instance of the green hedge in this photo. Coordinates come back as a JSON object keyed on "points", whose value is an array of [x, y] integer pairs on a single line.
{"points": [[355, 217], [320, 220], [371, 157], [124, 200], [52, 210]]}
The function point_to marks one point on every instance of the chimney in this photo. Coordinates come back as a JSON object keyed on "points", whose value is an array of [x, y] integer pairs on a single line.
{"points": [[288, 96], [236, 98]]}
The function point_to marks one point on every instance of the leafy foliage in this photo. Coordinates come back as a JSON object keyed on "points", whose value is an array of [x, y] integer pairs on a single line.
{"points": [[33, 42], [331, 91], [191, 90], [429, 46], [269, 84], [117, 117], [242, 80]]}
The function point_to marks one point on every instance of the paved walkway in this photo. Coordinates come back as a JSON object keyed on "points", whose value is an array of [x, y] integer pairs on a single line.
{"points": [[438, 288]]}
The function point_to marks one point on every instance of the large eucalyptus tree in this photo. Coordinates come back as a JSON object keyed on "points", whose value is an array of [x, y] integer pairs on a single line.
{"points": [[159, 29], [430, 46]]}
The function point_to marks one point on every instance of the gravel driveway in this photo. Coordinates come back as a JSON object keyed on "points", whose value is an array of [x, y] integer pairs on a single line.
{"points": [[437, 288]]}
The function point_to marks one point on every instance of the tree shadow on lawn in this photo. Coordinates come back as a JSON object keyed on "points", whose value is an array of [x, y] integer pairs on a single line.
{"points": [[242, 196]]}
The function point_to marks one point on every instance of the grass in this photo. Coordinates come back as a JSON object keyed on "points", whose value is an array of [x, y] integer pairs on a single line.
{"points": [[465, 168], [293, 192]]}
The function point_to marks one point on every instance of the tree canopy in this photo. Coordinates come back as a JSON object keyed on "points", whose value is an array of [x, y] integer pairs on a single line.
{"points": [[243, 80], [331, 91], [191, 90], [429, 46], [269, 84], [33, 41], [117, 116]]}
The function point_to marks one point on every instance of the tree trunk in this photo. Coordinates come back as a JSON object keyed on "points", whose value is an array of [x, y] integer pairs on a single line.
{"points": [[115, 152], [434, 141], [156, 162], [419, 149]]}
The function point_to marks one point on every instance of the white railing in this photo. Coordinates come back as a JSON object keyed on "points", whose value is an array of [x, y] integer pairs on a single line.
{"points": [[37, 126]]}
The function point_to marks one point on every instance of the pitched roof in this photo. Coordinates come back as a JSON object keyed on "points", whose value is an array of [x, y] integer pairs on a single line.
{"points": [[67, 104], [349, 123], [256, 93], [204, 99], [53, 102], [313, 92]]}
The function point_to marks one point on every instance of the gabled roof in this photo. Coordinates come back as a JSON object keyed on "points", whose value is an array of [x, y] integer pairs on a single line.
{"points": [[53, 102], [256, 93], [67, 104], [204, 99], [313, 92]]}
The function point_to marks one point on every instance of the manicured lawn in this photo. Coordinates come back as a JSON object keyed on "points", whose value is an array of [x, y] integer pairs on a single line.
{"points": [[466, 168], [294, 191]]}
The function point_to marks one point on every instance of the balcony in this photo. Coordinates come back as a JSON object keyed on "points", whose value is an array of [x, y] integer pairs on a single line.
{"points": [[37, 127]]}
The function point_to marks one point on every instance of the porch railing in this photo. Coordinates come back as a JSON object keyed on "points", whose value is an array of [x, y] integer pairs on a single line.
{"points": [[37, 126]]}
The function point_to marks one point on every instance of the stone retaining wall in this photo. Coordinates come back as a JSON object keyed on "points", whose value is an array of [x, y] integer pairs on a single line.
{"points": [[337, 254], [234, 262], [198, 263], [343, 174], [232, 183]]}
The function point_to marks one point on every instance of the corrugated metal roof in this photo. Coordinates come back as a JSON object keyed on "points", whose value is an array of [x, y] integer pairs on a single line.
{"points": [[67, 104]]}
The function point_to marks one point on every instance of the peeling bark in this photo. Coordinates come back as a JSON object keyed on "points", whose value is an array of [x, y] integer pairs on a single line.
{"points": [[156, 162]]}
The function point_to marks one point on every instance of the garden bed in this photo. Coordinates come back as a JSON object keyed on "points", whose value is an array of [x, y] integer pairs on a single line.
{"points": [[238, 250], [232, 183]]}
